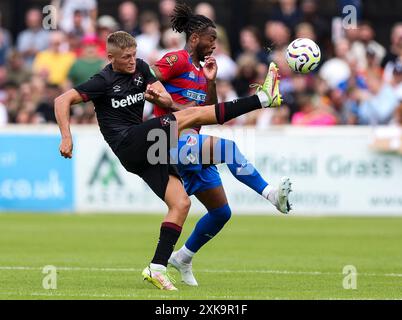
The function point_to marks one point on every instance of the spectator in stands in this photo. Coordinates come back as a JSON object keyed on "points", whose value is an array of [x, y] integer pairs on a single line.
{"points": [[366, 45], [24, 116], [207, 10], [225, 91], [377, 104], [310, 14], [251, 43], [397, 79], [45, 108], [27, 115], [128, 18], [87, 8], [3, 114], [305, 30], [398, 115], [77, 32], [5, 44], [312, 113], [3, 108], [263, 119], [166, 8], [337, 69], [373, 63], [53, 64], [106, 25], [395, 51], [17, 72], [280, 116], [78, 29], [148, 40], [88, 63], [345, 109], [171, 41], [34, 91], [86, 115], [287, 12], [247, 74], [227, 68], [277, 34], [11, 99], [34, 38], [3, 76]]}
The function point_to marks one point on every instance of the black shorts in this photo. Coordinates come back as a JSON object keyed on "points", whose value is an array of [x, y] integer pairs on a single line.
{"points": [[133, 153]]}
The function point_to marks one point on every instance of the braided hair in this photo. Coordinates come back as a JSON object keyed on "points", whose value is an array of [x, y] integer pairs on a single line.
{"points": [[183, 20]]}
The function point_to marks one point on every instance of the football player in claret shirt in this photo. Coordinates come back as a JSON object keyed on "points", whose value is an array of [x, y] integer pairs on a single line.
{"points": [[191, 83], [119, 92]]}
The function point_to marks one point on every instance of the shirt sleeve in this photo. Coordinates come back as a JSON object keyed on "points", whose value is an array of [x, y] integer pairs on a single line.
{"points": [[94, 88], [171, 65], [149, 74]]}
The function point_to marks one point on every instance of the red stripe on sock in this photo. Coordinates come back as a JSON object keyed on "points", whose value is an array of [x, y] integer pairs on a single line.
{"points": [[84, 96], [172, 225], [221, 113]]}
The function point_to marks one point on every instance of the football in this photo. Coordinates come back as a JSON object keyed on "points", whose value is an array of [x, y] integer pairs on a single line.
{"points": [[303, 55]]}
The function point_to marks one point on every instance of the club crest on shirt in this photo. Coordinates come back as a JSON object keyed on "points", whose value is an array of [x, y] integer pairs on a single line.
{"points": [[191, 141], [138, 80], [172, 59], [165, 121]]}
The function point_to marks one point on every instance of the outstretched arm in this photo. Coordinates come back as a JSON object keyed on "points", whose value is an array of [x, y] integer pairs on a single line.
{"points": [[156, 93], [62, 106]]}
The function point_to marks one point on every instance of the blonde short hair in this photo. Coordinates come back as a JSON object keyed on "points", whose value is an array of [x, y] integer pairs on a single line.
{"points": [[121, 40]]}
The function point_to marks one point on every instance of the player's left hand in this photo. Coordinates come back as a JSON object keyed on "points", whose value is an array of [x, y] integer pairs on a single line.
{"points": [[210, 68], [151, 94]]}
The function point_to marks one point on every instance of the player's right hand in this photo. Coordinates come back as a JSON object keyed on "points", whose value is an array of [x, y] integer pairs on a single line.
{"points": [[66, 147]]}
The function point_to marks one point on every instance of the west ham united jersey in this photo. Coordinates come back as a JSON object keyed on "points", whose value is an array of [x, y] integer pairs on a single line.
{"points": [[118, 99], [184, 81]]}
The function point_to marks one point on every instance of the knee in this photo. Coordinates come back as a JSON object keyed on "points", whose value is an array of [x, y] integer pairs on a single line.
{"points": [[223, 213], [182, 204]]}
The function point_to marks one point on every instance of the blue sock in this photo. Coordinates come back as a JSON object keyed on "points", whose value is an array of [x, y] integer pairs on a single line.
{"points": [[238, 165], [207, 227]]}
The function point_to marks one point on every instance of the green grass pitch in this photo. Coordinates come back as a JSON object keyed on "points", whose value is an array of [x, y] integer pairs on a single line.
{"points": [[254, 257]]}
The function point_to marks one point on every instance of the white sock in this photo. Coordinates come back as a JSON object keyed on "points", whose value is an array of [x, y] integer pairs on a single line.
{"points": [[264, 99], [185, 255], [157, 267], [269, 193]]}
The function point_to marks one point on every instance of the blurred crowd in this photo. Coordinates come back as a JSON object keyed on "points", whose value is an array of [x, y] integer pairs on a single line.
{"points": [[359, 81]]}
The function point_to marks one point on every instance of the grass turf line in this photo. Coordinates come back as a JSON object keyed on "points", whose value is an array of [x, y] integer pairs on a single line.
{"points": [[254, 257]]}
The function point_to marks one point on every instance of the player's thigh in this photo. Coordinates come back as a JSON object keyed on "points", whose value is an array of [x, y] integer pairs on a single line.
{"points": [[195, 116], [212, 198]]}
